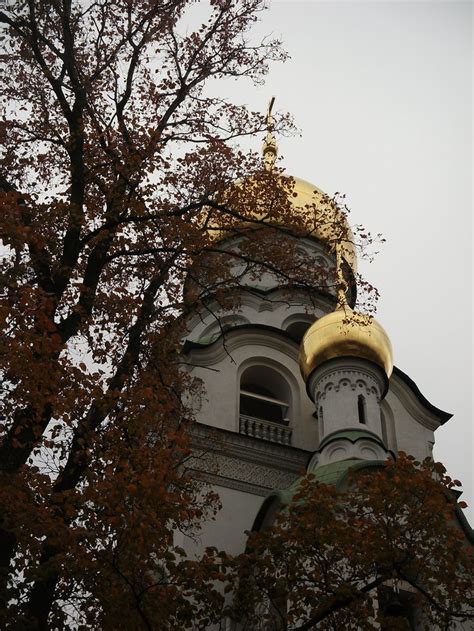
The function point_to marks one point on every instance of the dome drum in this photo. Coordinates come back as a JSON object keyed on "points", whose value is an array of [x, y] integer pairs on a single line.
{"points": [[347, 393], [270, 199], [303, 209]]}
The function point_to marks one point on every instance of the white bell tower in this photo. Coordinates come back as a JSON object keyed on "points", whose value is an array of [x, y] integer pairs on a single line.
{"points": [[260, 419]]}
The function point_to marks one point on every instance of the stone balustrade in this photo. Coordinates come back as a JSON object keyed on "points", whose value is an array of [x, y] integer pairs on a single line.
{"points": [[266, 430]]}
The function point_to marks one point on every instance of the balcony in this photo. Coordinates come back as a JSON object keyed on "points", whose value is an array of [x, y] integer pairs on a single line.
{"points": [[265, 430]]}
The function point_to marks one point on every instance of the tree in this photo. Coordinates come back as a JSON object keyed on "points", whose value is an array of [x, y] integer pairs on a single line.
{"points": [[385, 546], [116, 178]]}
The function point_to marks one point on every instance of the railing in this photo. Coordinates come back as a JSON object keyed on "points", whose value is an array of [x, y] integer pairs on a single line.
{"points": [[267, 430]]}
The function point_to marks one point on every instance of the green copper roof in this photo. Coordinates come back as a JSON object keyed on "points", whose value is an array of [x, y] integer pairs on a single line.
{"points": [[332, 473], [351, 434]]}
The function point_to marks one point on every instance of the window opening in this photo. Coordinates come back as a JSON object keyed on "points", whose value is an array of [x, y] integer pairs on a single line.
{"points": [[397, 606], [361, 406], [264, 395], [259, 402], [321, 423], [384, 429], [297, 330]]}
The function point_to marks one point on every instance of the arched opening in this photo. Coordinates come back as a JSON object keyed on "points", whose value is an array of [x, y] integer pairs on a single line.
{"points": [[388, 423], [265, 395], [321, 423], [362, 409], [296, 330], [259, 402], [297, 324], [397, 608], [384, 429]]}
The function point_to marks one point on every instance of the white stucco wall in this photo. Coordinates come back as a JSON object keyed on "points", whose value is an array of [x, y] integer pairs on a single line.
{"points": [[412, 434], [227, 531], [221, 365]]}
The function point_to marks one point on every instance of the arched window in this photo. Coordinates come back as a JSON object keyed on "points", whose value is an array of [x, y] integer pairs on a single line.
{"points": [[265, 395], [297, 330], [297, 324], [396, 603], [384, 429], [362, 409], [321, 423]]}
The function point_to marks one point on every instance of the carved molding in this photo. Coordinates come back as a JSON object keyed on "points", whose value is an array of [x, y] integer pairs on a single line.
{"points": [[219, 351], [317, 305], [244, 463], [364, 448], [357, 383], [235, 473], [236, 485], [340, 373]]}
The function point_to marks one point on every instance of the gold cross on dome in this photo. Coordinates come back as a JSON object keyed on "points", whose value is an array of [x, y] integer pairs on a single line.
{"points": [[270, 148]]}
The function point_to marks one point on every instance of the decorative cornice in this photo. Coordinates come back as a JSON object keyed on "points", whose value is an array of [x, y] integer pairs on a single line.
{"points": [[236, 485], [352, 435], [247, 447], [232, 460], [342, 379], [345, 369], [237, 474], [277, 297], [243, 335]]}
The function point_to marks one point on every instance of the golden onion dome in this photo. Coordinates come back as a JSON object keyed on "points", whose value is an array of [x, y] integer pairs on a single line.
{"points": [[308, 211], [344, 333]]}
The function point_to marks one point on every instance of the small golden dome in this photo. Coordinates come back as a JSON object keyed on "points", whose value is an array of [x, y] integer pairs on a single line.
{"points": [[340, 334], [310, 209]]}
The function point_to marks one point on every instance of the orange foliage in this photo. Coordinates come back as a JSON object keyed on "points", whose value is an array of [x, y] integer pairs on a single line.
{"points": [[115, 164], [332, 554]]}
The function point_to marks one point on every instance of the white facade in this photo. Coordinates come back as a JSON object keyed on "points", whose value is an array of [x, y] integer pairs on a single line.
{"points": [[260, 425], [257, 425]]}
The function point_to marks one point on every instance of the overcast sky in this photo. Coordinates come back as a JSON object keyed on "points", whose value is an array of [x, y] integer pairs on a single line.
{"points": [[382, 94]]}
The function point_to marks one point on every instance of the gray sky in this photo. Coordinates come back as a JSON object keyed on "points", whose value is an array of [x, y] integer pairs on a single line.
{"points": [[382, 94]]}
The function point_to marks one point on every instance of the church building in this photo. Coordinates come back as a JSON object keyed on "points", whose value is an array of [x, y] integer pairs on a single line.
{"points": [[289, 386]]}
